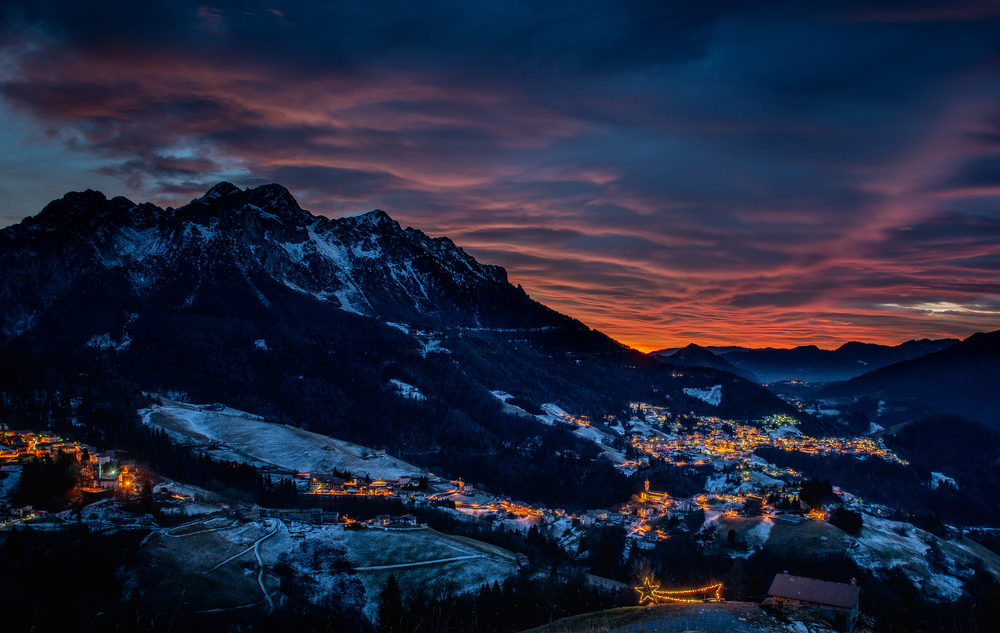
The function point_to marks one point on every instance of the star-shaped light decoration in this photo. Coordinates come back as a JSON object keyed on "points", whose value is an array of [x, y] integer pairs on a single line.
{"points": [[647, 591]]}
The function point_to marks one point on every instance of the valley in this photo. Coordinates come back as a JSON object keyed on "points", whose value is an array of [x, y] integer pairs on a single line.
{"points": [[240, 414]]}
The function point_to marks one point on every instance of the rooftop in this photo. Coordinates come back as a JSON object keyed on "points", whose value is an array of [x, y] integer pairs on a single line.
{"points": [[812, 590]]}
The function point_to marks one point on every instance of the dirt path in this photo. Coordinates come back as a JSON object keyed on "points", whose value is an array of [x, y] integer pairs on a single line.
{"points": [[252, 547]]}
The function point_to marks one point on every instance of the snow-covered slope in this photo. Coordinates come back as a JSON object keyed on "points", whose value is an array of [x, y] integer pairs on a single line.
{"points": [[241, 436]]}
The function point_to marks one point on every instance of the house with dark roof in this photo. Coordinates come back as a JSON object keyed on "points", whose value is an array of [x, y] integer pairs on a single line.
{"points": [[834, 601]]}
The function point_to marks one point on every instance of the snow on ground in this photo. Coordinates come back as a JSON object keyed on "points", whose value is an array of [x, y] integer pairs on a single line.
{"points": [[553, 414], [638, 426], [590, 433], [195, 502], [9, 483], [186, 490], [819, 410], [874, 428], [712, 396], [618, 428], [502, 396], [104, 342], [407, 391], [940, 478], [765, 481], [419, 558], [399, 326], [758, 535], [718, 484], [883, 543], [241, 436], [106, 515], [597, 437], [431, 347]]}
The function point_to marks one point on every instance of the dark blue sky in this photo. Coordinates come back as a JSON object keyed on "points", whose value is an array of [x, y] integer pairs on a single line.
{"points": [[766, 173]]}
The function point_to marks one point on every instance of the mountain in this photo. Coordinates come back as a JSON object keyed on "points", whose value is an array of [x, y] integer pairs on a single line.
{"points": [[962, 379], [257, 243], [697, 356], [812, 364], [353, 327]]}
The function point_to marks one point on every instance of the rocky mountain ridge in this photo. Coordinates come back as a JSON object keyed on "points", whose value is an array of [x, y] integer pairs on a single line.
{"points": [[365, 264]]}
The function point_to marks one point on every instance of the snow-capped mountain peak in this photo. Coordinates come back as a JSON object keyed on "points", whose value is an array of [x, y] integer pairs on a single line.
{"points": [[257, 243]]}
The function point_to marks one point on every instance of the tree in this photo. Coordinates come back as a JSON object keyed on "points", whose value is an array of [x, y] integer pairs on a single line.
{"points": [[847, 520], [391, 614], [732, 538]]}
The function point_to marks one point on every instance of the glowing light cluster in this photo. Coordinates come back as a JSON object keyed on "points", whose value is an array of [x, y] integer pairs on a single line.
{"points": [[649, 592]]}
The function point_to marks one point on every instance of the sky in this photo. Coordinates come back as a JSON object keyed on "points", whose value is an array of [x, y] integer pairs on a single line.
{"points": [[738, 173]]}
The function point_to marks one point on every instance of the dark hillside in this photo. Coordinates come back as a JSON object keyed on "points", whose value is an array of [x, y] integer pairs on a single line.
{"points": [[962, 379]]}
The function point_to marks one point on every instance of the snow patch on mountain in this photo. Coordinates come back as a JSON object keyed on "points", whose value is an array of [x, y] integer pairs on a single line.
{"points": [[553, 414], [433, 346], [374, 253], [140, 245], [104, 342], [296, 251], [819, 410], [940, 478], [407, 391], [712, 396]]}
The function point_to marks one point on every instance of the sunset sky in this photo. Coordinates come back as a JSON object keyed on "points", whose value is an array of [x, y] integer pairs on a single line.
{"points": [[720, 173]]}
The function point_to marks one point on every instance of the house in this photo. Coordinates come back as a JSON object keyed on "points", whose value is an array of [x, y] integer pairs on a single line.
{"points": [[522, 561], [837, 602], [246, 512], [326, 484], [408, 519], [306, 515]]}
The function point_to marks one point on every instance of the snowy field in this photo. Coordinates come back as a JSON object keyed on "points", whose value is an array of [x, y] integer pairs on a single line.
{"points": [[225, 551], [712, 396], [11, 477], [241, 436]]}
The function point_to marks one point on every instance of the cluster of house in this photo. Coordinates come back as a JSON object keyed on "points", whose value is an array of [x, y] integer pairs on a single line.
{"points": [[404, 487], [15, 446]]}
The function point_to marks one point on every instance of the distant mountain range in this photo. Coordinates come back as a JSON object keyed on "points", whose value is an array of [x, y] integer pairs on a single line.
{"points": [[812, 364], [963, 378], [697, 356]]}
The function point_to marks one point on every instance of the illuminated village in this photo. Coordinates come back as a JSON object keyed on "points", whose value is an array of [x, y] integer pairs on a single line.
{"points": [[101, 475], [739, 489], [726, 446]]}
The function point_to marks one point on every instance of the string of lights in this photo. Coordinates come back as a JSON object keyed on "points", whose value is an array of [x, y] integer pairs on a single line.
{"points": [[650, 592]]}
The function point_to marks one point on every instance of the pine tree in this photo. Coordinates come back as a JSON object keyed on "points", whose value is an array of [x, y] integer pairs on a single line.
{"points": [[391, 614]]}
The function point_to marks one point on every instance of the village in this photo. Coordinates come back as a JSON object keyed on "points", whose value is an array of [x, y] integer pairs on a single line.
{"points": [[742, 493], [742, 481]]}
